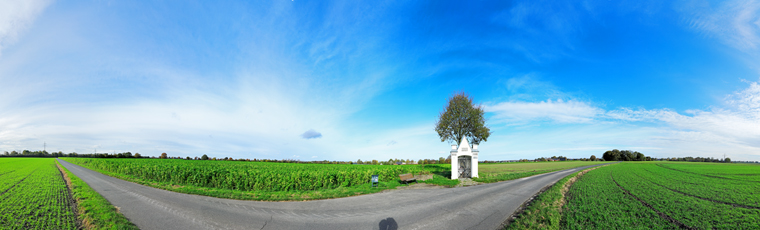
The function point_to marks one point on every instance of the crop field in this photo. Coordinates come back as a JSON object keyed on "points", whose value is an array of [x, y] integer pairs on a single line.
{"points": [[665, 195], [33, 195], [508, 171], [249, 176], [289, 181]]}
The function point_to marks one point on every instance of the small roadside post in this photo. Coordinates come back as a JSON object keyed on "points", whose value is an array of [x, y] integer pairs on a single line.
{"points": [[375, 181]]}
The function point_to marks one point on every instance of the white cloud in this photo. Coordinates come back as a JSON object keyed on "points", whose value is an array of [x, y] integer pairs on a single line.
{"points": [[732, 129], [16, 16], [558, 110], [736, 23]]}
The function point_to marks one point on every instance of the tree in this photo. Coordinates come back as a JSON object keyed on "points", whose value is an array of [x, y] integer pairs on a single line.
{"points": [[640, 156], [462, 119], [163, 156], [137, 155], [592, 158], [727, 160], [612, 155], [204, 157]]}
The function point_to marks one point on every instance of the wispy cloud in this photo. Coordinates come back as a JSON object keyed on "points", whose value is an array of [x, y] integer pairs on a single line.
{"points": [[736, 23], [733, 128], [16, 16], [558, 110]]}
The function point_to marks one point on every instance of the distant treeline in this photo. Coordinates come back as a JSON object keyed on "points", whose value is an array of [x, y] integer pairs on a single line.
{"points": [[698, 159], [611, 155], [27, 153]]}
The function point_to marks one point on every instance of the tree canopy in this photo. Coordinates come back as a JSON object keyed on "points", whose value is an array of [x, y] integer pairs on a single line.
{"points": [[461, 118], [625, 155]]}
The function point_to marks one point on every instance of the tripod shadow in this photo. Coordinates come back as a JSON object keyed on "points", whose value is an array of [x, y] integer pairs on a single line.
{"points": [[388, 224]]}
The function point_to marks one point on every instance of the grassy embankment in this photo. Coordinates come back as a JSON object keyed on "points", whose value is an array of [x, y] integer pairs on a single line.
{"points": [[662, 195], [34, 194], [287, 181]]}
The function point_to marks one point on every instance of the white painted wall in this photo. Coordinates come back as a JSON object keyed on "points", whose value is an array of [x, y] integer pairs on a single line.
{"points": [[464, 149]]}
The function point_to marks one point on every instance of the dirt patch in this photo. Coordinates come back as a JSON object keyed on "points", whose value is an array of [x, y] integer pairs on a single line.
{"points": [[422, 177], [419, 186], [466, 182], [72, 202]]}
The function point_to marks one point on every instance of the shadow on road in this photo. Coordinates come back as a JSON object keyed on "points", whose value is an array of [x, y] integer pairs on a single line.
{"points": [[388, 224]]}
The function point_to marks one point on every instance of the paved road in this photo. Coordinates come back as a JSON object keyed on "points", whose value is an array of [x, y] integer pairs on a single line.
{"points": [[475, 207]]}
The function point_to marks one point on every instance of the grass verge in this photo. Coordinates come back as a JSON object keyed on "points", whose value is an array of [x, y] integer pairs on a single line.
{"points": [[94, 211], [545, 211]]}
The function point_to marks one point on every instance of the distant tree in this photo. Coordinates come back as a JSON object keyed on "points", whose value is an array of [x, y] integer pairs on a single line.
{"points": [[163, 156], [727, 160], [640, 156], [137, 155], [204, 157], [359, 161], [128, 155], [612, 155], [187, 158], [460, 119], [592, 158]]}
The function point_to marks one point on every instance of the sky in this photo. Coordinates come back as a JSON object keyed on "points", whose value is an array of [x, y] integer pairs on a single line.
{"points": [[348, 80]]}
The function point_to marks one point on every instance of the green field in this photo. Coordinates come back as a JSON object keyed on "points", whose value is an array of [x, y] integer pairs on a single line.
{"points": [[509, 171], [665, 195], [35, 195], [290, 181]]}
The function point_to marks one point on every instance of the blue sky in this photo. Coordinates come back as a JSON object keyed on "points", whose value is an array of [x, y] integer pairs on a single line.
{"points": [[366, 80]]}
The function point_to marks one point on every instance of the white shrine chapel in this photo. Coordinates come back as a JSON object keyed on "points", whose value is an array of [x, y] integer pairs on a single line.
{"points": [[464, 161]]}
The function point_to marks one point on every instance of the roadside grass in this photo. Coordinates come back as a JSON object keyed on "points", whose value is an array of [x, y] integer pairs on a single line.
{"points": [[442, 181], [94, 211], [545, 211]]}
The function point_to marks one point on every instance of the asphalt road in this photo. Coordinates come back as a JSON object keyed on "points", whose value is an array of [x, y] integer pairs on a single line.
{"points": [[476, 207]]}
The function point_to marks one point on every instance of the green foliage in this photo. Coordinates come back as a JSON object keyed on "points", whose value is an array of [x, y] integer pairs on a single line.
{"points": [[247, 176], [625, 155], [461, 119]]}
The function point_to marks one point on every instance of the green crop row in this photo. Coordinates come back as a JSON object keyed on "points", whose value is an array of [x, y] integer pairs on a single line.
{"points": [[596, 202], [742, 172], [717, 189], [251, 176], [691, 211], [33, 195], [654, 195]]}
